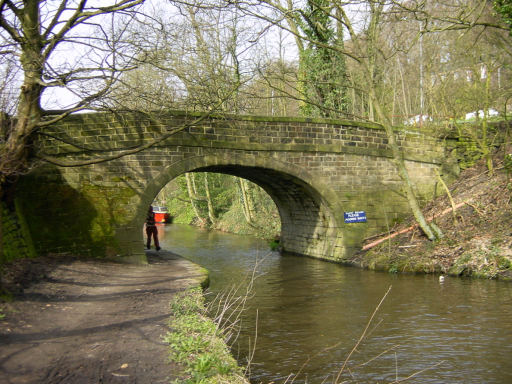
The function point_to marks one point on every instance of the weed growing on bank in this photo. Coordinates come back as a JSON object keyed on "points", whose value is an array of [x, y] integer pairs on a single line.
{"points": [[197, 343]]}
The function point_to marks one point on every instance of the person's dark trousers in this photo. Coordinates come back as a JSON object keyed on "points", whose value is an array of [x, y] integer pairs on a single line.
{"points": [[152, 231]]}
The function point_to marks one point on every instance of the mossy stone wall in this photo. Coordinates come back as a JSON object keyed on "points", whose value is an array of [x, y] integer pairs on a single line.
{"points": [[16, 240], [314, 169], [467, 139]]}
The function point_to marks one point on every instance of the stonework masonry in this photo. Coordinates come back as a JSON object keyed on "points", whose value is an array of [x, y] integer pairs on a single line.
{"points": [[314, 169]]}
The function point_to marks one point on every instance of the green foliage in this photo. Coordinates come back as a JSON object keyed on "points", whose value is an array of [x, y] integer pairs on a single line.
{"points": [[227, 201], [508, 163], [322, 69], [188, 302], [196, 343], [178, 202], [504, 8], [222, 189], [323, 83], [184, 345], [274, 245]]}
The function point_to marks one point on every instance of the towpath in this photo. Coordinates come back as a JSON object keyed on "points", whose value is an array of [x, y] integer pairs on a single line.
{"points": [[94, 322]]}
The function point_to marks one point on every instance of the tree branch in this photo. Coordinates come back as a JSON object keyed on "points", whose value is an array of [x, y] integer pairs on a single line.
{"points": [[79, 17], [11, 30]]}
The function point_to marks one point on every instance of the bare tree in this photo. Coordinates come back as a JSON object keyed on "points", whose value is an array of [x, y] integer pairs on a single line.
{"points": [[75, 47], [199, 60], [364, 25], [385, 37], [274, 91]]}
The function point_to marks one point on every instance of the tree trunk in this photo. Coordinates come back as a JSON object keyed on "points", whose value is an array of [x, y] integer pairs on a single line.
{"points": [[246, 204], [192, 196], [404, 96], [487, 150], [211, 211], [431, 231], [14, 157]]}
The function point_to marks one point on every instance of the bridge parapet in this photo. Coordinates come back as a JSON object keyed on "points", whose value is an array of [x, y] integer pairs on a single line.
{"points": [[261, 133]]}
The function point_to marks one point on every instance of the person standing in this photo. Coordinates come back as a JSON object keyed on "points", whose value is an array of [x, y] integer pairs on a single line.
{"points": [[151, 229]]}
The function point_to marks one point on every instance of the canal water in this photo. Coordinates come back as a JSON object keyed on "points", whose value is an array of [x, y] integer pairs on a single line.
{"points": [[308, 315]]}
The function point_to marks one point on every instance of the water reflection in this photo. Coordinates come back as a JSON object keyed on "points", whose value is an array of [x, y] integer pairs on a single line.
{"points": [[313, 311]]}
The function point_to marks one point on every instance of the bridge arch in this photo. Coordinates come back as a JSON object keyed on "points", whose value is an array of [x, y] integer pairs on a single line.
{"points": [[307, 208]]}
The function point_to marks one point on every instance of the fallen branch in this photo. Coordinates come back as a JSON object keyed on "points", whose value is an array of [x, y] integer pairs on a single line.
{"points": [[394, 234], [379, 234], [408, 229]]}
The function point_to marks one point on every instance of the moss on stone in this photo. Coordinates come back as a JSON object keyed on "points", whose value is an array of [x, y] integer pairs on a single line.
{"points": [[112, 210], [16, 241], [468, 152], [62, 219], [57, 216]]}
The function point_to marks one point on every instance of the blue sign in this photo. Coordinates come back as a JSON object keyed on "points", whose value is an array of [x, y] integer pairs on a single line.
{"points": [[355, 217]]}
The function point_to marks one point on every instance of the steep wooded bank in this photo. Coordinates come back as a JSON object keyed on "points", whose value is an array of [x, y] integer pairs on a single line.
{"points": [[478, 233]]}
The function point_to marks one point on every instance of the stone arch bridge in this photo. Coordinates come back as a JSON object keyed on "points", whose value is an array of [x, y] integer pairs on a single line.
{"points": [[315, 170]]}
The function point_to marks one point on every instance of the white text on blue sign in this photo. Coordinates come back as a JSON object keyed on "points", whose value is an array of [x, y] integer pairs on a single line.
{"points": [[355, 217]]}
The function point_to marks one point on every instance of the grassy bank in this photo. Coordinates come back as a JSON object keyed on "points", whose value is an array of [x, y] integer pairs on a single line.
{"points": [[197, 343]]}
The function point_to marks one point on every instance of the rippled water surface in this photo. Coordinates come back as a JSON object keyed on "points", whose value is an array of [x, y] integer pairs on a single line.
{"points": [[311, 313]]}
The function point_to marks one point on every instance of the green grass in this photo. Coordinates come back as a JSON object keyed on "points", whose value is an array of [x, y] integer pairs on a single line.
{"points": [[197, 344], [274, 245]]}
